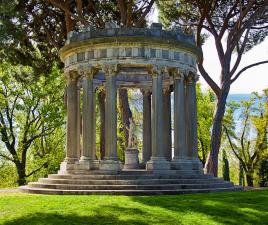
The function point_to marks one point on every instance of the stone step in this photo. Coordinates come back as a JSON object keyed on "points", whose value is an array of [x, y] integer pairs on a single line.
{"points": [[134, 172], [27, 189], [126, 177], [125, 182], [128, 187], [129, 172]]}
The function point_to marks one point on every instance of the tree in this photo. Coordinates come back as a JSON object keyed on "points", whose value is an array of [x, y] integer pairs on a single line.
{"points": [[31, 111], [205, 109], [19, 40], [263, 173], [250, 144], [47, 23], [225, 166], [236, 26]]}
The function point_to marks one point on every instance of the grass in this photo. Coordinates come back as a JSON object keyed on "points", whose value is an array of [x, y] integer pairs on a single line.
{"points": [[249, 207]]}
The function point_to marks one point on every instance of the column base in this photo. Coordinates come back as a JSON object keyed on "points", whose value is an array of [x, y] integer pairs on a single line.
{"points": [[110, 165], [88, 164], [158, 163], [68, 164], [187, 165]]}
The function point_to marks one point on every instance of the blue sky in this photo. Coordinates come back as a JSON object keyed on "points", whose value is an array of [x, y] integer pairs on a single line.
{"points": [[254, 79]]}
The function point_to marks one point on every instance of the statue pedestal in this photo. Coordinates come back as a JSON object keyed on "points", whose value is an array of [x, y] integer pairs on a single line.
{"points": [[131, 158]]}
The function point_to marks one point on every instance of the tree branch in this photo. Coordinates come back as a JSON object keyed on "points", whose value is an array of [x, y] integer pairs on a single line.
{"points": [[232, 147], [79, 8], [246, 68], [227, 19], [240, 53], [44, 164], [61, 5], [6, 157], [243, 132], [147, 10], [209, 80]]}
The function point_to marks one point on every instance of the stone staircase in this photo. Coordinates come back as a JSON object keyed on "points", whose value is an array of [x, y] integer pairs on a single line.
{"points": [[131, 182]]}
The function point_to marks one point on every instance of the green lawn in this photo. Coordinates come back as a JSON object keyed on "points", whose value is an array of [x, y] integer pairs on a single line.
{"points": [[242, 208]]}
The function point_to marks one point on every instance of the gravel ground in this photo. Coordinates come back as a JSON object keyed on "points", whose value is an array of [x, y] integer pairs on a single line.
{"points": [[9, 190]]}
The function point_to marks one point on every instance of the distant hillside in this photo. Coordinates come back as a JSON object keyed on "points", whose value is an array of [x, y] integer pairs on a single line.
{"points": [[238, 97]]}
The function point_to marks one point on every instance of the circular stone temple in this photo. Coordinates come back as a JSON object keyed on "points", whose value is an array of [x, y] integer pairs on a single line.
{"points": [[157, 62]]}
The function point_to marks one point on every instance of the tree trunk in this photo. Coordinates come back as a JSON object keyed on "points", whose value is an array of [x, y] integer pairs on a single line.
{"points": [[203, 159], [241, 174], [68, 22], [101, 102], [21, 174], [125, 112], [211, 166], [249, 177]]}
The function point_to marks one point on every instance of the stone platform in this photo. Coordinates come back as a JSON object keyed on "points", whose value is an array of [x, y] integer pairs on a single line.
{"points": [[128, 182]]}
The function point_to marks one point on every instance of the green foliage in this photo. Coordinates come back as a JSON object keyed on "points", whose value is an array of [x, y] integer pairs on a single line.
{"points": [[19, 43], [205, 109], [225, 166], [248, 138], [263, 173], [47, 151], [8, 175], [31, 119], [120, 139]]}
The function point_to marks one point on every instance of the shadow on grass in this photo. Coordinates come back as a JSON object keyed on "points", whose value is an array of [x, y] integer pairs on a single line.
{"points": [[57, 219], [228, 208]]}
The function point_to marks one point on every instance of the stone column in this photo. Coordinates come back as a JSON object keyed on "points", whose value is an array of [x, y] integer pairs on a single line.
{"points": [[157, 163], [72, 114], [110, 161], [88, 154], [167, 123], [179, 161], [79, 123], [147, 131], [192, 120]]}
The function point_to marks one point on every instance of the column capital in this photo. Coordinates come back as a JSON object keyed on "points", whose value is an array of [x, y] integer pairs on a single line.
{"points": [[156, 71], [146, 91], [177, 73], [71, 75], [110, 70], [88, 72], [192, 77], [167, 90]]}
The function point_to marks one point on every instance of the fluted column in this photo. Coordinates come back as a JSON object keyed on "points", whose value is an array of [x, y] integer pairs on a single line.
{"points": [[179, 160], [110, 160], [147, 132], [79, 123], [192, 115], [167, 123], [72, 114], [192, 120], [88, 116], [157, 161]]}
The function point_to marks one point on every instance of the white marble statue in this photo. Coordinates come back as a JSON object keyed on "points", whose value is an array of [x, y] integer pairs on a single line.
{"points": [[132, 139]]}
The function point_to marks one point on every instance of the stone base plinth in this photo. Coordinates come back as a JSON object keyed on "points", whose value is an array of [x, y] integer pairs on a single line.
{"points": [[197, 165], [131, 158], [68, 164], [88, 164], [186, 164], [112, 165], [156, 163]]}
